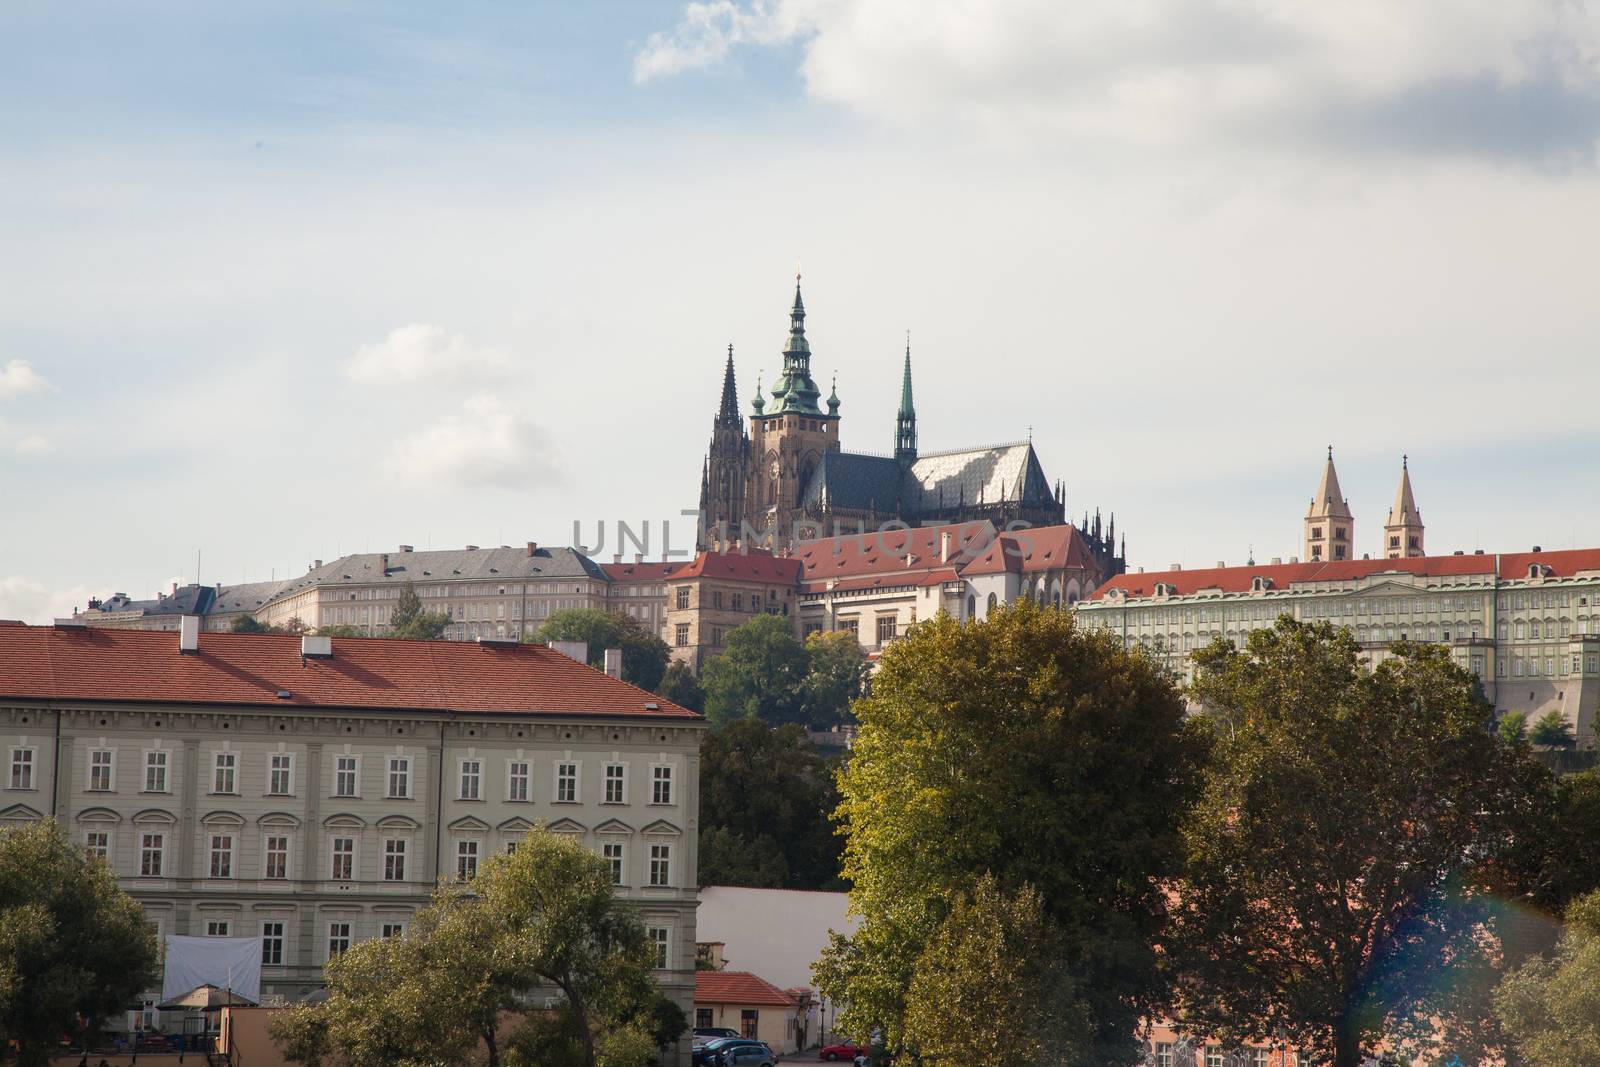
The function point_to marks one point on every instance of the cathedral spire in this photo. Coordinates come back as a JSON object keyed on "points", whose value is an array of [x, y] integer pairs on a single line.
{"points": [[794, 390], [1329, 526], [1402, 534], [728, 410], [905, 426]]}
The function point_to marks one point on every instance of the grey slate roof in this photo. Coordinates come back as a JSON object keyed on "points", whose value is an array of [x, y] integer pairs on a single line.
{"points": [[936, 481], [246, 596], [188, 600], [855, 481]]}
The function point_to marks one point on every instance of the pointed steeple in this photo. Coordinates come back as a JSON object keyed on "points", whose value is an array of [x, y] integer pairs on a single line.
{"points": [[905, 423], [1330, 498], [728, 410], [833, 397], [1403, 532], [758, 402], [794, 390], [1329, 526]]}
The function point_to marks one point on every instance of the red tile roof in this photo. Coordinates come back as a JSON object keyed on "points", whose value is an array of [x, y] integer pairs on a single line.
{"points": [[1511, 565], [752, 566], [1043, 548], [142, 666], [643, 571], [737, 987], [886, 552]]}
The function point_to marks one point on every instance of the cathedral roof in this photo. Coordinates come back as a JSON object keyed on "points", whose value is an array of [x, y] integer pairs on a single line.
{"points": [[856, 482], [1001, 472]]}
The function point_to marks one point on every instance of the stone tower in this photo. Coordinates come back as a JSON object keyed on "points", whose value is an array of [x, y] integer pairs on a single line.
{"points": [[1330, 528], [1402, 534], [725, 475], [788, 437], [905, 422]]}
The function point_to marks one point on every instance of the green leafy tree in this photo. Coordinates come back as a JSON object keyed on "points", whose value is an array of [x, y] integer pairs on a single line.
{"points": [[765, 800], [836, 675], [1553, 860], [989, 989], [74, 948], [760, 674], [1045, 755], [1552, 729], [342, 629], [249, 624], [1340, 818], [680, 686], [1513, 727], [644, 654], [410, 622], [1551, 1006]]}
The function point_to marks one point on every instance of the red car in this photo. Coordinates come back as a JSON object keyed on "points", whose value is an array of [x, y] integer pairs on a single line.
{"points": [[844, 1052]]}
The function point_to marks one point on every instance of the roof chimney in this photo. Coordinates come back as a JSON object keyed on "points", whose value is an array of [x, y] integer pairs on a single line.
{"points": [[1139, 570], [533, 546], [316, 564], [578, 650], [1294, 559], [472, 548], [175, 584], [189, 633], [944, 546], [313, 647], [1176, 567], [638, 557], [406, 548], [383, 562], [614, 663], [1276, 560], [1221, 564], [616, 557]]}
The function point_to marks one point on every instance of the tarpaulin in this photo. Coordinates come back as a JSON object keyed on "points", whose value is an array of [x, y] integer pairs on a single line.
{"points": [[232, 963]]}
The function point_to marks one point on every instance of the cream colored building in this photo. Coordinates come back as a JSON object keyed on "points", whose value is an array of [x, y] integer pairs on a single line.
{"points": [[312, 791]]}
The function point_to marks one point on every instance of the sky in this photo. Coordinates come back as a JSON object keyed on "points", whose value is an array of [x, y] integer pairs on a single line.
{"points": [[282, 281]]}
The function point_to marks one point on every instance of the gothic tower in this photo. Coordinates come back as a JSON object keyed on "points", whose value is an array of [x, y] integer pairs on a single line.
{"points": [[905, 423], [788, 437], [1402, 534], [1330, 528], [725, 474]]}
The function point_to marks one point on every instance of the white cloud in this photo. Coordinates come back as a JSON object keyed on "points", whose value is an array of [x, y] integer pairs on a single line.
{"points": [[18, 377], [30, 601], [1515, 77], [32, 445], [419, 352], [484, 444]]}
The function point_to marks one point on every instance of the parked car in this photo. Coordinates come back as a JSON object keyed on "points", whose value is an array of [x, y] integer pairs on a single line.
{"points": [[735, 1052], [844, 1052], [706, 1033]]}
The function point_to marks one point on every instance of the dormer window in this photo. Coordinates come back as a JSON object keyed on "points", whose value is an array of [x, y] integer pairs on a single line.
{"points": [[1258, 584]]}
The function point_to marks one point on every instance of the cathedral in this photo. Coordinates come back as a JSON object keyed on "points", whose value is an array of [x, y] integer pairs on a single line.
{"points": [[780, 475]]}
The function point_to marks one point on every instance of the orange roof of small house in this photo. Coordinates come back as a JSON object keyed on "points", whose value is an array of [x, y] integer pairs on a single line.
{"points": [[737, 987]]}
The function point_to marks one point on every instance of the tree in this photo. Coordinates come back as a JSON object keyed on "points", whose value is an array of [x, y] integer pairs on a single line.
{"points": [[410, 623], [1045, 755], [541, 920], [342, 629], [1551, 1006], [1513, 727], [988, 988], [765, 799], [836, 675], [249, 624], [1339, 818], [1553, 860], [760, 674], [1552, 729], [644, 655], [680, 686], [74, 948]]}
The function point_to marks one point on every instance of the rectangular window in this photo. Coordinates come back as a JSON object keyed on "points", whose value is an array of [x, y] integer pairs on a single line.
{"points": [[1163, 1054], [888, 625], [219, 928], [394, 930], [97, 845], [221, 855], [1214, 1058], [517, 780], [394, 860], [612, 852], [471, 778], [100, 771], [680, 634], [658, 940], [271, 944], [566, 783], [399, 778], [280, 774], [344, 776], [466, 860], [343, 868], [661, 865], [661, 785], [750, 1023], [151, 850], [616, 783], [702, 1019], [22, 768], [225, 772], [155, 772], [276, 855], [683, 598], [338, 939]]}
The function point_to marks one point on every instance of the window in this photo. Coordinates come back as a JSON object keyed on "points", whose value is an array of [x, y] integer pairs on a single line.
{"points": [[394, 930], [566, 783], [338, 939], [276, 856], [271, 944], [750, 1022], [399, 777], [394, 860], [850, 626], [661, 865], [466, 860], [1259, 1057], [616, 783], [344, 776], [738, 601], [887, 627], [152, 848], [682, 600], [100, 770], [612, 853], [471, 778], [343, 868], [1214, 1058], [1164, 1054], [661, 785], [155, 772], [280, 774], [517, 780], [702, 1019], [22, 768], [224, 776], [680, 634], [97, 845], [219, 928], [221, 855], [658, 940]]}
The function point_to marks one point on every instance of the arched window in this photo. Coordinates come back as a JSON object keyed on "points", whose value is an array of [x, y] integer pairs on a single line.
{"points": [[972, 606], [993, 600]]}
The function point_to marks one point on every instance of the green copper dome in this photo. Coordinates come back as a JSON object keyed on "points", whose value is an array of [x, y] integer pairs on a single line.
{"points": [[833, 397], [758, 403]]}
